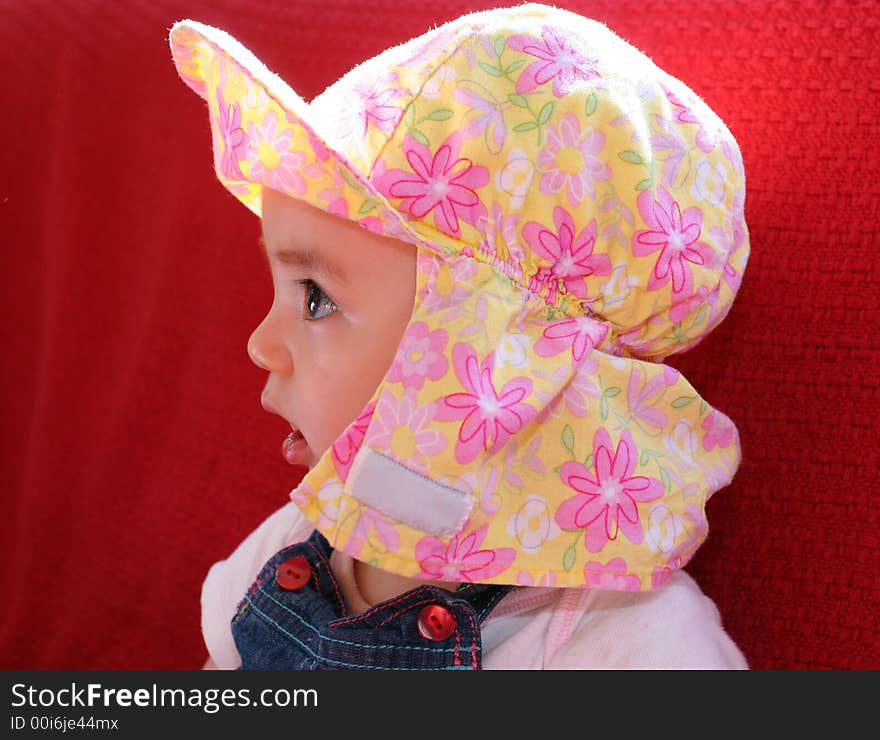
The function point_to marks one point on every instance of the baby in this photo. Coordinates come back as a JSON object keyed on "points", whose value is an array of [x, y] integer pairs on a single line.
{"points": [[483, 243]]}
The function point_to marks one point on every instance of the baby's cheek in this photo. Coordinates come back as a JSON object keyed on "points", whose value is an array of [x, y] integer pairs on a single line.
{"points": [[344, 370], [335, 398]]}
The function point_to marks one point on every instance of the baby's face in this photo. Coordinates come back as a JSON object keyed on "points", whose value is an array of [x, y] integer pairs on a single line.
{"points": [[343, 298]]}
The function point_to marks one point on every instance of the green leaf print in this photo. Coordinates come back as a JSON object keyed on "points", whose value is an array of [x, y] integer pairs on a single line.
{"points": [[515, 66], [441, 114], [631, 157], [682, 401], [518, 100], [419, 137], [546, 112], [592, 104], [645, 184], [527, 126], [568, 559], [568, 439], [664, 476], [490, 70], [647, 455], [499, 45], [603, 402], [701, 315]]}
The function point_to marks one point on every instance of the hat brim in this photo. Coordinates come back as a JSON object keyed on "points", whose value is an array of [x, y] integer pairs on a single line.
{"points": [[264, 134]]}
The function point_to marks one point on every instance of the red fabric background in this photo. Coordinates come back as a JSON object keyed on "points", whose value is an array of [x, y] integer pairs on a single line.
{"points": [[134, 449]]}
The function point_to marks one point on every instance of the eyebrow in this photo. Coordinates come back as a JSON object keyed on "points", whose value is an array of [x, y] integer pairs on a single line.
{"points": [[307, 260]]}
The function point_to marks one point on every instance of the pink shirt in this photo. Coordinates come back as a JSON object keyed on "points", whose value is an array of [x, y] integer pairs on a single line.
{"points": [[673, 627]]}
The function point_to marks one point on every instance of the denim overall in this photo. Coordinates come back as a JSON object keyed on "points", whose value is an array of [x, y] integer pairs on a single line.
{"points": [[294, 618]]}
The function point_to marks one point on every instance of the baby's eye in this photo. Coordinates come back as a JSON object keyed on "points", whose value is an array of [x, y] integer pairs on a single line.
{"points": [[316, 303]]}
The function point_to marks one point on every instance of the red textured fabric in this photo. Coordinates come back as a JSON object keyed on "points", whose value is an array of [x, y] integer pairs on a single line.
{"points": [[134, 449]]}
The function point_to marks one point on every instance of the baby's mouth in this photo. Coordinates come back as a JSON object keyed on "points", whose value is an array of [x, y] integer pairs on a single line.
{"points": [[295, 448]]}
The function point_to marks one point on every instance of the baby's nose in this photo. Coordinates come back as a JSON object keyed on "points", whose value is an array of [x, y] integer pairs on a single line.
{"points": [[267, 350]]}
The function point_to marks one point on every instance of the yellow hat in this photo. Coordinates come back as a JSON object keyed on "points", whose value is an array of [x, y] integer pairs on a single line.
{"points": [[578, 215]]}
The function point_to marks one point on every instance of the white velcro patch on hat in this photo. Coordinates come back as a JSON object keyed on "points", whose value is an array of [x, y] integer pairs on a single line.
{"points": [[407, 496]]}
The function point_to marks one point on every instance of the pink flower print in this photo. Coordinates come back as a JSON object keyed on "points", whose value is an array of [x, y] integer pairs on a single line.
{"points": [[618, 287], [580, 334], [524, 578], [368, 105], [569, 160], [336, 204], [331, 502], [502, 242], [346, 447], [436, 82], [607, 499], [512, 350], [378, 226], [644, 391], [420, 356], [571, 256], [664, 528], [533, 524], [708, 136], [529, 463], [674, 149], [331, 196], [660, 575], [404, 428], [720, 475], [730, 150], [557, 61], [447, 288], [719, 431], [273, 163], [681, 444], [489, 418], [680, 310], [479, 310], [321, 151], [621, 215], [440, 182], [730, 238], [233, 138], [695, 529], [576, 390], [370, 520], [710, 182], [424, 49], [301, 494], [515, 177], [487, 490], [489, 119], [462, 559], [675, 234], [612, 575]]}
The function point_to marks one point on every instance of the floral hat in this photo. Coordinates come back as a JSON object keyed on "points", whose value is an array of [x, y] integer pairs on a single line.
{"points": [[578, 215]]}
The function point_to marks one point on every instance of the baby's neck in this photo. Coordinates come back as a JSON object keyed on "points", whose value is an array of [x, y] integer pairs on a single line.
{"points": [[365, 585]]}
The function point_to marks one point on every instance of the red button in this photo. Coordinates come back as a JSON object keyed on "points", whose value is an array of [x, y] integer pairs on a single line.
{"points": [[293, 573], [436, 622]]}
